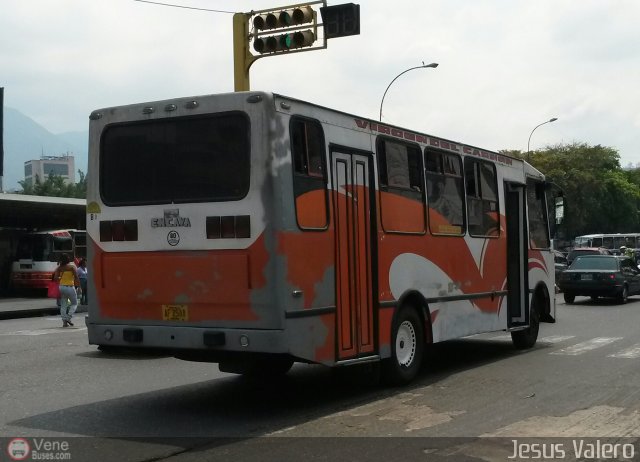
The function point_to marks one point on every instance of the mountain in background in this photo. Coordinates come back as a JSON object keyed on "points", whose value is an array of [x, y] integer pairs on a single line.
{"points": [[25, 139]]}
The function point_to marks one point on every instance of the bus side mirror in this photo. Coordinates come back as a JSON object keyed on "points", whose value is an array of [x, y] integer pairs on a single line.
{"points": [[559, 209]]}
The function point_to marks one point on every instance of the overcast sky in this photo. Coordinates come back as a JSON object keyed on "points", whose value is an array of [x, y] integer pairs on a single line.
{"points": [[504, 65]]}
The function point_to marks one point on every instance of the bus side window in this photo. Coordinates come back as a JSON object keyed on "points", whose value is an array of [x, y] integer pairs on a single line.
{"points": [[62, 244], [309, 173], [80, 244], [482, 198], [401, 186], [445, 192]]}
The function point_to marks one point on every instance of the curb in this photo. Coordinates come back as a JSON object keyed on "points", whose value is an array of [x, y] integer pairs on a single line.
{"points": [[32, 313], [17, 314]]}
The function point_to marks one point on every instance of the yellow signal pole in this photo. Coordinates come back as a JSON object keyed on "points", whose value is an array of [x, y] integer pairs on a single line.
{"points": [[242, 58]]}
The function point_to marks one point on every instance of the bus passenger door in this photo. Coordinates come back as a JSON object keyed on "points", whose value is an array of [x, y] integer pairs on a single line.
{"points": [[517, 255], [353, 212]]}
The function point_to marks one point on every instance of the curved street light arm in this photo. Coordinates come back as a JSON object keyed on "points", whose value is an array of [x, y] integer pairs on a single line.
{"points": [[424, 66], [534, 129]]}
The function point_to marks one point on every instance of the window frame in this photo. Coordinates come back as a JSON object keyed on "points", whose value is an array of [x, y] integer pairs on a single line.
{"points": [[409, 193], [470, 161], [443, 174], [308, 120], [381, 155], [538, 186], [301, 181]]}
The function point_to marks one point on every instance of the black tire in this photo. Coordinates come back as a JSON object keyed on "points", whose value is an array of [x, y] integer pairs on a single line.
{"points": [[268, 367], [407, 348], [111, 349], [623, 295], [569, 297], [279, 366], [524, 339]]}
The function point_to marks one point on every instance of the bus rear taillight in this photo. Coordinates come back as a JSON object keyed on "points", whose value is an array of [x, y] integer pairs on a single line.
{"points": [[33, 276], [119, 230], [229, 227]]}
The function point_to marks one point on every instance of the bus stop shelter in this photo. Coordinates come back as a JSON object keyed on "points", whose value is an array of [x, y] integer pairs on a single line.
{"points": [[20, 213]]}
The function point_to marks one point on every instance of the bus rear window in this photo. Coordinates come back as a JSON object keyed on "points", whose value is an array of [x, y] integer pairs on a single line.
{"points": [[176, 160], [34, 247]]}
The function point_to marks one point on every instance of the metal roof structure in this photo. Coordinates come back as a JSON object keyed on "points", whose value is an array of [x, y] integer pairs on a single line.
{"points": [[20, 211]]}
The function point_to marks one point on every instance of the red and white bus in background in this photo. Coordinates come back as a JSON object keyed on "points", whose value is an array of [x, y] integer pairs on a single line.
{"points": [[38, 254], [255, 230]]}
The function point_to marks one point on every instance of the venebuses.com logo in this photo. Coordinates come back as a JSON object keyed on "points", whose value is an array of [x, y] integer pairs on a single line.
{"points": [[18, 449], [38, 449]]}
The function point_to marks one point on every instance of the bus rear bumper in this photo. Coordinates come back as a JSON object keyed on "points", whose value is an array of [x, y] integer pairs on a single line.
{"points": [[187, 339]]}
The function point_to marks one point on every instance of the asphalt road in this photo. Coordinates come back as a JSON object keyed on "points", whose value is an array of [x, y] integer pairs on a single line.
{"points": [[582, 380]]}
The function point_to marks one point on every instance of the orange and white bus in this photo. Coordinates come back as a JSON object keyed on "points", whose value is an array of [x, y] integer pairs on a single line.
{"points": [[256, 230], [38, 254]]}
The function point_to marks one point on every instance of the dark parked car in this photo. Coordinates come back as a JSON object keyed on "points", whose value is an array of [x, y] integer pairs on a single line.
{"points": [[600, 276], [576, 252]]}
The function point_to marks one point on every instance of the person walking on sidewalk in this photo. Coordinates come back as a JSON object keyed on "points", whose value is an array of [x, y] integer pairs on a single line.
{"points": [[82, 275], [66, 276]]}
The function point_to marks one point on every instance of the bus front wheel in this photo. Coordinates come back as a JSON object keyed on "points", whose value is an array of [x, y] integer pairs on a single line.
{"points": [[407, 348]]}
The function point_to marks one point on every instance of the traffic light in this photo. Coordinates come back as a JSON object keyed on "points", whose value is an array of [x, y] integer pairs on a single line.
{"points": [[284, 42], [289, 21], [284, 18], [287, 29], [341, 20]]}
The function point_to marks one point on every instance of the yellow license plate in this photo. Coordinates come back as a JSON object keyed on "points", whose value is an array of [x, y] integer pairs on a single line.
{"points": [[175, 312]]}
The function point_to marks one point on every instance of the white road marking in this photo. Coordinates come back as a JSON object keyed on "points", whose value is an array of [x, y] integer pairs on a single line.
{"points": [[502, 337], [555, 338], [628, 353], [589, 345], [550, 339]]}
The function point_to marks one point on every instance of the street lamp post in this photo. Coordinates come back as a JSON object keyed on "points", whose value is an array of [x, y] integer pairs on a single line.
{"points": [[534, 129], [424, 66]]}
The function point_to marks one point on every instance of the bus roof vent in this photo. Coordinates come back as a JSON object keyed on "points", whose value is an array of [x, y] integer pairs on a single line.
{"points": [[148, 110], [191, 104], [254, 98], [170, 107]]}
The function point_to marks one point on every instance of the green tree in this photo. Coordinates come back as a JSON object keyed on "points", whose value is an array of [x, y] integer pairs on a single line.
{"points": [[55, 186], [600, 197], [80, 188]]}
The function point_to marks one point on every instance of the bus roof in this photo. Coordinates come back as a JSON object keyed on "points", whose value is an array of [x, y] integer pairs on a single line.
{"points": [[358, 123], [383, 128]]}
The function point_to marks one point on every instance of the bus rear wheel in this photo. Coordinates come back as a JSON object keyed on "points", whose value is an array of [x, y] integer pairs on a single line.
{"points": [[407, 348], [524, 339], [257, 366]]}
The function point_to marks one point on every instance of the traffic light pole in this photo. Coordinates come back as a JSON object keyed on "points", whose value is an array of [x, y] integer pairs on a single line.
{"points": [[242, 58]]}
